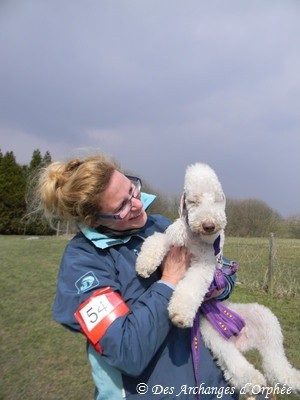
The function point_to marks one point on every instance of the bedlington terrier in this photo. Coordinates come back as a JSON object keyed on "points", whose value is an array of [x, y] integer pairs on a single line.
{"points": [[201, 224]]}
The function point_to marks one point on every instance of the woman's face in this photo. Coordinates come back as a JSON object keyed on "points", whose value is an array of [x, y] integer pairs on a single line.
{"points": [[117, 195]]}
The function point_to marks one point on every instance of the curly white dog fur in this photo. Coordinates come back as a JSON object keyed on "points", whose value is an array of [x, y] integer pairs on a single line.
{"points": [[202, 219]]}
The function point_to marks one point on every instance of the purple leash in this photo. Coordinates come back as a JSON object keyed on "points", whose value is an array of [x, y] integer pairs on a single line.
{"points": [[196, 349], [224, 320]]}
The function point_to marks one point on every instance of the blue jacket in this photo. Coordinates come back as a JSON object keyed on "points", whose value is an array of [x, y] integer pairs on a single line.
{"points": [[142, 347]]}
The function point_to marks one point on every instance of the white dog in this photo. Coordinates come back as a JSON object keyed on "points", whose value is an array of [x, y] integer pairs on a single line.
{"points": [[201, 223]]}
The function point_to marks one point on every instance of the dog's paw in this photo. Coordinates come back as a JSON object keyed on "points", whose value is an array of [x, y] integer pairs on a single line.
{"points": [[180, 320], [248, 379], [180, 314], [144, 267], [152, 254], [146, 263], [144, 273], [291, 379]]}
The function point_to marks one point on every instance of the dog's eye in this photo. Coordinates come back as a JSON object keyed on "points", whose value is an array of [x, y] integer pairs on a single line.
{"points": [[191, 202]]}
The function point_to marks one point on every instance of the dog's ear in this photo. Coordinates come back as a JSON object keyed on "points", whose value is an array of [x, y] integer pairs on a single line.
{"points": [[182, 207]]}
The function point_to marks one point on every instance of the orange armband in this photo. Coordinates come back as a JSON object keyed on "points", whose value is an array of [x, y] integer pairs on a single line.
{"points": [[98, 312]]}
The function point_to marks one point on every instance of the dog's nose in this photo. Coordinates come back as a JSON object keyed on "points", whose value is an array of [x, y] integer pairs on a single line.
{"points": [[208, 227]]}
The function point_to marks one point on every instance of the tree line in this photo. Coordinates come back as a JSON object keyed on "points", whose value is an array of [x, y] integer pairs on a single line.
{"points": [[250, 217], [14, 180]]}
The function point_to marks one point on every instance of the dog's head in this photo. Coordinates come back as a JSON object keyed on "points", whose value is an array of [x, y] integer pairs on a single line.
{"points": [[203, 201]]}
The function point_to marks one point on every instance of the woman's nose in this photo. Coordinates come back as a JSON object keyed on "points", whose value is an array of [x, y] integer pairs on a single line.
{"points": [[136, 203]]}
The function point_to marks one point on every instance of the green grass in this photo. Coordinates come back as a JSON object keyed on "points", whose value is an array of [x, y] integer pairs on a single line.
{"points": [[252, 255], [41, 360]]}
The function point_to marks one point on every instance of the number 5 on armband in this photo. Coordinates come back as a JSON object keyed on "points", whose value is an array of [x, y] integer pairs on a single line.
{"points": [[99, 311]]}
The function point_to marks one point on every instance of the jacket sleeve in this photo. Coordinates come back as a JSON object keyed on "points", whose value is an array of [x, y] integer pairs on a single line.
{"points": [[131, 341]]}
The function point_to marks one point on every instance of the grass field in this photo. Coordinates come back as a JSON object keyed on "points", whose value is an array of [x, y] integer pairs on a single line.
{"points": [[41, 360]]}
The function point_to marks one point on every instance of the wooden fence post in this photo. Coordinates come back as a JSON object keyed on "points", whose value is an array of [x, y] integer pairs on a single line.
{"points": [[271, 264]]}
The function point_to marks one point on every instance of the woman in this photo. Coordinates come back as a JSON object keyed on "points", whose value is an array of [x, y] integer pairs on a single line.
{"points": [[133, 347]]}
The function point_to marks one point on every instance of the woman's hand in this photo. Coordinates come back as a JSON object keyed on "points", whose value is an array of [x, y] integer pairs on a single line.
{"points": [[175, 264]]}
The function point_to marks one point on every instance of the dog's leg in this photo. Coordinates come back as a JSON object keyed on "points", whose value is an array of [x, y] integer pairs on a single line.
{"points": [[189, 294], [264, 334], [177, 233], [237, 370], [152, 253], [156, 246]]}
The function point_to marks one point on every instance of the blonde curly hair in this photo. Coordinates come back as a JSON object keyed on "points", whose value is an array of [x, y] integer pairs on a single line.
{"points": [[71, 191]]}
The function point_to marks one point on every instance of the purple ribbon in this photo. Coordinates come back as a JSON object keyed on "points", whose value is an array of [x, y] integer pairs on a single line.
{"points": [[219, 281], [225, 321]]}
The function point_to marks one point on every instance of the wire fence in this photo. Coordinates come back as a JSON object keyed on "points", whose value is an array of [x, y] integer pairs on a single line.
{"points": [[270, 264]]}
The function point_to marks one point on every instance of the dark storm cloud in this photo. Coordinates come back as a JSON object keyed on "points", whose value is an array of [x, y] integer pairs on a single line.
{"points": [[158, 85]]}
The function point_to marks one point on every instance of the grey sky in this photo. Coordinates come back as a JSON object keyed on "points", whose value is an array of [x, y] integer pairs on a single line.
{"points": [[159, 84]]}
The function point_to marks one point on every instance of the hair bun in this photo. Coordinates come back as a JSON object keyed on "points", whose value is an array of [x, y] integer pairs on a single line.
{"points": [[73, 164]]}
